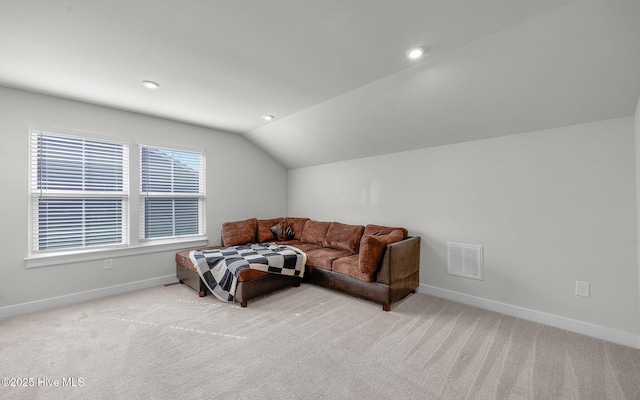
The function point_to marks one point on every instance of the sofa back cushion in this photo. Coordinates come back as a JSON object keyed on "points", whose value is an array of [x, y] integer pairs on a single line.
{"points": [[372, 247], [383, 230], [264, 232], [314, 232], [296, 225], [239, 232], [344, 237]]}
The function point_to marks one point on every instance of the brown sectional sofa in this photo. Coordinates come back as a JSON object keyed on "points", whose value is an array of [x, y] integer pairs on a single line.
{"points": [[373, 262]]}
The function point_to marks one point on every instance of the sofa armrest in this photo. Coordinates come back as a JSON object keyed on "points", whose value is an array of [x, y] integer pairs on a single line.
{"points": [[400, 260]]}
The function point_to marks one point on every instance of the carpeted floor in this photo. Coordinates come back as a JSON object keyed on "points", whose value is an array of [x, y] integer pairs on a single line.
{"points": [[301, 343]]}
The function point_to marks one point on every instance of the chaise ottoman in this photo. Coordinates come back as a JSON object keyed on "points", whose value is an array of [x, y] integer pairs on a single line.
{"points": [[251, 283]]}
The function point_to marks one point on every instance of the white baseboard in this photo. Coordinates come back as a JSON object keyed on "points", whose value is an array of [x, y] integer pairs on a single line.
{"points": [[584, 328], [53, 302]]}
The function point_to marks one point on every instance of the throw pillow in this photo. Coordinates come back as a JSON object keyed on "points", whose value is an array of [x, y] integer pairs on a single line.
{"points": [[282, 232], [372, 248], [289, 233]]}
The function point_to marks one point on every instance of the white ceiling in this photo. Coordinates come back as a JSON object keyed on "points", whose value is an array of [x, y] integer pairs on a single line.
{"points": [[334, 72]]}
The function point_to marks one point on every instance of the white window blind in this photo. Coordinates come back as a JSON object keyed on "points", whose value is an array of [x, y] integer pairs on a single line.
{"points": [[172, 188], [79, 192]]}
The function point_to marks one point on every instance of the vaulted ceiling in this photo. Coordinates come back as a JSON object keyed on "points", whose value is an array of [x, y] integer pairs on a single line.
{"points": [[334, 73]]}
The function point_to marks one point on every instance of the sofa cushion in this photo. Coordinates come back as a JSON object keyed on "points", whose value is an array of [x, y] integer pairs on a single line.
{"points": [[264, 232], [299, 245], [239, 232], [343, 237], [349, 265], [323, 257], [297, 225], [383, 230], [314, 232], [372, 247]]}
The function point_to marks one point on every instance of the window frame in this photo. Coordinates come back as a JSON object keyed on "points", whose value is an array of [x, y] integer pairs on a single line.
{"points": [[134, 246], [201, 195], [82, 194]]}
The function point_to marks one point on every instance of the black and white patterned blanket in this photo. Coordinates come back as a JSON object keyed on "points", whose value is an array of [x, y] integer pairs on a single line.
{"points": [[219, 268]]}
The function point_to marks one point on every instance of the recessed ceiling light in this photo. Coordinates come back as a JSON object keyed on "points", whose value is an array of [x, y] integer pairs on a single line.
{"points": [[150, 84], [268, 117], [415, 53]]}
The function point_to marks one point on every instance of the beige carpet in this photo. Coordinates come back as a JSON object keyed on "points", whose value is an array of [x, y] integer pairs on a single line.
{"points": [[301, 343]]}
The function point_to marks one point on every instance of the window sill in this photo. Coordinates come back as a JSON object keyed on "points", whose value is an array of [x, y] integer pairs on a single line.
{"points": [[42, 260]]}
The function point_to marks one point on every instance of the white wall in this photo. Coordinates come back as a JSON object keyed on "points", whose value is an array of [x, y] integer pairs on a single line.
{"points": [[550, 207], [229, 157], [637, 142]]}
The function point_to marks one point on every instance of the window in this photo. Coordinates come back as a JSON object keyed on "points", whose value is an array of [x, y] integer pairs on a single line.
{"points": [[81, 208], [172, 189], [79, 192]]}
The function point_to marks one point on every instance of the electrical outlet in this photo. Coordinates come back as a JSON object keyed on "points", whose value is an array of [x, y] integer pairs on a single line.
{"points": [[108, 263], [583, 289]]}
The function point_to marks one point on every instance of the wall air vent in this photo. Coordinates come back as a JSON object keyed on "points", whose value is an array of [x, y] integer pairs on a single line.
{"points": [[465, 260]]}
